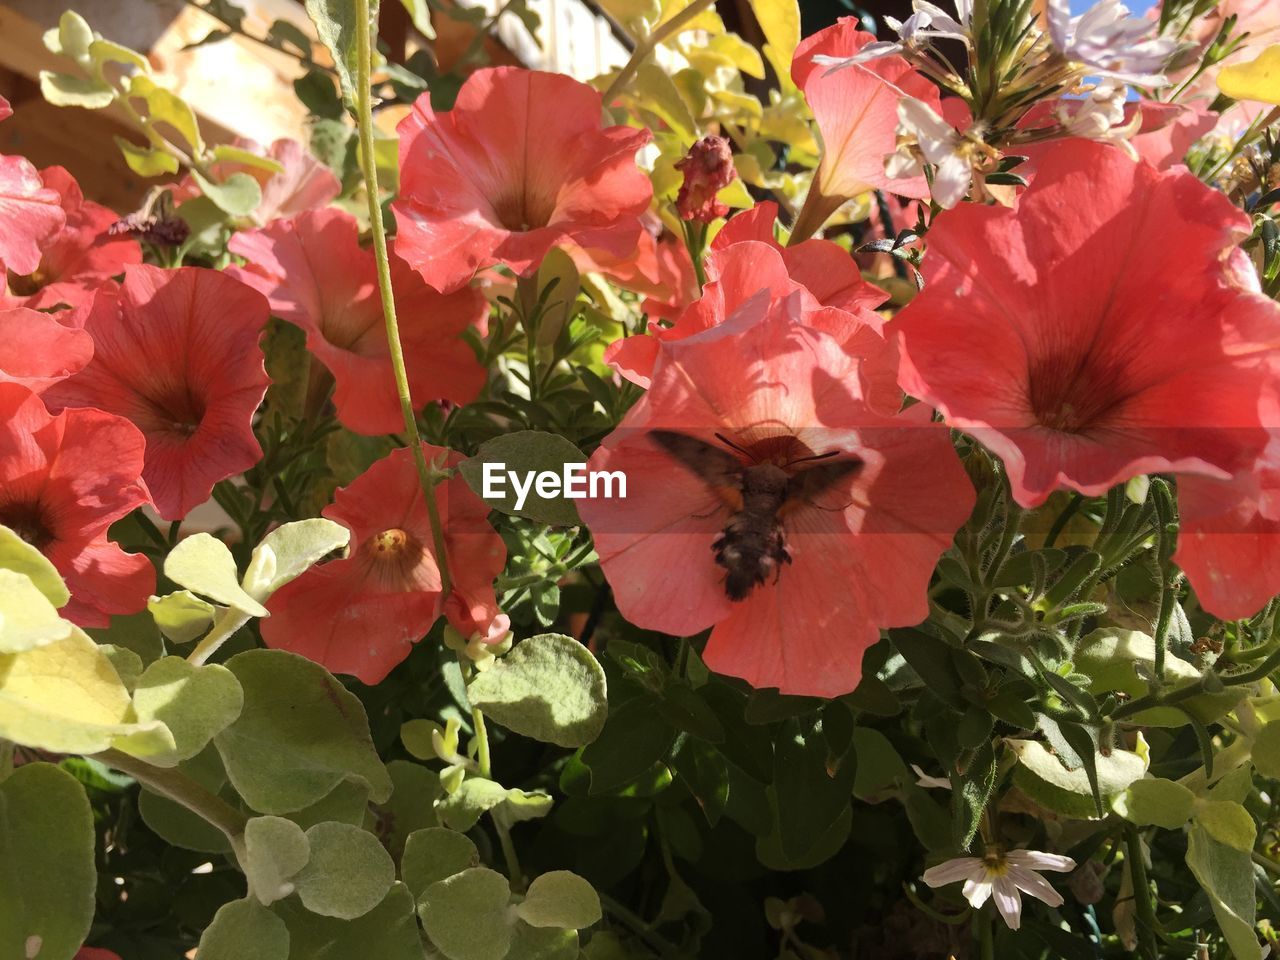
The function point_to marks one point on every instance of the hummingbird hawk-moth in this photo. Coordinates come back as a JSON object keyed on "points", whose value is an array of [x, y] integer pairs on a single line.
{"points": [[752, 545]]}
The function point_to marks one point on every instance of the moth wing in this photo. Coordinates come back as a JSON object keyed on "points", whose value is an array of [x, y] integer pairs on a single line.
{"points": [[809, 486], [721, 470]]}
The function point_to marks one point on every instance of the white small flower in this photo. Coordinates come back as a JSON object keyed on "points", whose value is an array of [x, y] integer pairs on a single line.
{"points": [[1003, 877], [924, 780], [937, 143], [1109, 42], [926, 22]]}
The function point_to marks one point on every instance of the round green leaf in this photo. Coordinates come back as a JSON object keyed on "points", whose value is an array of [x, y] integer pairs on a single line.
{"points": [[287, 551], [412, 805], [1266, 751], [1228, 823], [21, 557], [245, 930], [549, 687], [181, 616], [275, 850], [433, 854], [1164, 803], [387, 932], [203, 564], [1041, 775], [543, 943], [67, 90], [195, 703], [238, 195], [47, 874], [560, 899], [1226, 874], [349, 872], [27, 618], [467, 915], [301, 732]]}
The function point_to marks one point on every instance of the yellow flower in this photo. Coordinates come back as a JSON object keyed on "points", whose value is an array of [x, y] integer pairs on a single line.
{"points": [[1256, 80]]}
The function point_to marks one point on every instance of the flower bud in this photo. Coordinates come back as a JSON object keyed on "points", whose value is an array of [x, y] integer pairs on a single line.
{"points": [[707, 168]]}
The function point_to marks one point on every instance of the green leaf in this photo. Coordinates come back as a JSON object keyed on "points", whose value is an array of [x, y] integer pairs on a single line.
{"points": [[1228, 823], [931, 659], [809, 799], [245, 930], [238, 195], [1226, 875], [349, 872], [686, 709], [704, 770], [66, 90], [635, 737], [203, 564], [1042, 777], [335, 25], [462, 809], [181, 615], [1164, 803], [70, 38], [66, 697], [1266, 751], [526, 453], [177, 825], [434, 854], [105, 51], [412, 803], [165, 106], [420, 14], [21, 557], [288, 551], [549, 687], [560, 899], [467, 915], [229, 154], [27, 618], [387, 932], [780, 22], [147, 161], [195, 703], [47, 874], [1257, 79], [300, 733], [275, 850], [543, 943], [879, 765]]}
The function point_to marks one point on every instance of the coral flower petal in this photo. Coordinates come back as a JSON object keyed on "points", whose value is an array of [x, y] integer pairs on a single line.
{"points": [[519, 165], [176, 352], [37, 351], [30, 214], [63, 481], [1034, 333], [317, 276]]}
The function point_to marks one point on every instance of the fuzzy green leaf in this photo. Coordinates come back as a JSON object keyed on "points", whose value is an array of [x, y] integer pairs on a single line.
{"points": [[467, 915], [245, 930], [560, 899], [349, 872], [275, 850]]}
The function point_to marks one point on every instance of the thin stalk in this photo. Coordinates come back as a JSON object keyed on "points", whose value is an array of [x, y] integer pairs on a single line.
{"points": [[1141, 895], [650, 43], [184, 791], [364, 117]]}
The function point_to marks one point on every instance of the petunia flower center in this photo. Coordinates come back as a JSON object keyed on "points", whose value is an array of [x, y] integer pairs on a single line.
{"points": [[27, 520], [524, 209], [179, 411], [29, 285], [1071, 394], [394, 554]]}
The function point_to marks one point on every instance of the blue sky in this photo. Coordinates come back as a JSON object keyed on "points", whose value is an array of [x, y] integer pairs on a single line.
{"points": [[1137, 6]]}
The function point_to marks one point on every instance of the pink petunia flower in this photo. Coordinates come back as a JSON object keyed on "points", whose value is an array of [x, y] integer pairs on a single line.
{"points": [[76, 260], [38, 351], [858, 554], [1003, 877], [518, 166], [63, 481], [856, 109], [316, 275], [30, 214], [707, 169], [6, 111], [1055, 336], [741, 269], [361, 615], [176, 352]]}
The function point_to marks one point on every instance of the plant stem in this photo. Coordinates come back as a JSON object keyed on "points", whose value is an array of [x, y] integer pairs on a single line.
{"points": [[364, 117], [1141, 894], [661, 32], [184, 791], [1198, 687]]}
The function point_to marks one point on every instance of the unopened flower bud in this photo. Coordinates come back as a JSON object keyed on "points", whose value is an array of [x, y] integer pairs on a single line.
{"points": [[708, 169]]}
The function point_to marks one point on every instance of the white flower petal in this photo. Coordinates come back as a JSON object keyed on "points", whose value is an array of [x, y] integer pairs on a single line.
{"points": [[961, 868], [922, 779], [951, 183], [1039, 860], [1008, 902], [977, 891], [1030, 882]]}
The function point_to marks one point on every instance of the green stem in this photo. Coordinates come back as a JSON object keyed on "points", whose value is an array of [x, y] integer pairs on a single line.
{"points": [[650, 43], [364, 116], [1141, 895], [985, 938], [1198, 687], [184, 791], [637, 925]]}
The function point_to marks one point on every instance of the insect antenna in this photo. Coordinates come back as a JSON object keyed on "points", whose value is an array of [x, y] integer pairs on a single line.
{"points": [[729, 443], [812, 457]]}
